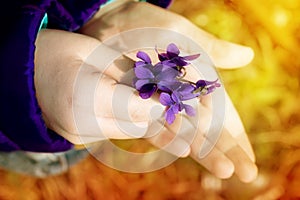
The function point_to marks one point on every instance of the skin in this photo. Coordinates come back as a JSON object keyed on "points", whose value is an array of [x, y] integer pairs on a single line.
{"points": [[61, 63]]}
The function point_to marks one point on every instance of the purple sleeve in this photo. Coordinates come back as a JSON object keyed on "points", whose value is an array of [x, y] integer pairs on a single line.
{"points": [[161, 3], [21, 124]]}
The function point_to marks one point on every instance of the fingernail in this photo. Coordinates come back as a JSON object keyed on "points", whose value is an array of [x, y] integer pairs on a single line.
{"points": [[250, 173], [223, 168]]}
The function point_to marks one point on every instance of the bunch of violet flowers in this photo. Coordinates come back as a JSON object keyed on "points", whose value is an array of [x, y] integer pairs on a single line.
{"points": [[166, 79]]}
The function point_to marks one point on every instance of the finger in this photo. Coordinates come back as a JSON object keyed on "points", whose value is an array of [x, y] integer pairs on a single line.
{"points": [[93, 129], [216, 163], [225, 146], [232, 121], [165, 139], [232, 147], [229, 55], [245, 168], [227, 157], [215, 160], [235, 145], [224, 54], [234, 125]]}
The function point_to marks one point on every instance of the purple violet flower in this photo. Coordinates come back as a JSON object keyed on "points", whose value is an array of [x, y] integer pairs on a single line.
{"points": [[145, 59], [150, 78], [174, 101], [172, 59], [205, 87], [166, 78]]}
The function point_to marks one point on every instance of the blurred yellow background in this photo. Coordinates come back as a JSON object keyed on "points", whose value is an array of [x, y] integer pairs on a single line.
{"points": [[265, 92]]}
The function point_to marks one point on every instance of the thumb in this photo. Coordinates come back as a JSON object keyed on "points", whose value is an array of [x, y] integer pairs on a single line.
{"points": [[224, 54], [229, 55]]}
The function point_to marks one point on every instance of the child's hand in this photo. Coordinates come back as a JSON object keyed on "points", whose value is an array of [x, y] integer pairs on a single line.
{"points": [[75, 92], [233, 151]]}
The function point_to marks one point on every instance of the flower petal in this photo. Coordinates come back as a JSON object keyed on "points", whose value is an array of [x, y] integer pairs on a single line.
{"points": [[165, 99], [143, 72], [169, 63], [203, 83], [172, 50], [186, 88], [139, 63], [139, 83], [161, 56], [170, 116], [175, 97], [167, 75], [175, 108], [167, 86], [147, 91], [158, 68], [144, 56], [189, 96], [212, 88], [179, 61], [191, 57], [187, 91], [189, 110]]}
